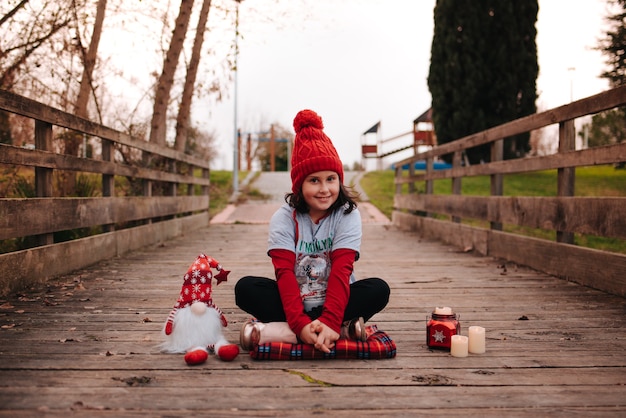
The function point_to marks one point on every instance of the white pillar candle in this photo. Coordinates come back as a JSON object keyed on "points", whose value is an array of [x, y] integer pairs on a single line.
{"points": [[443, 310], [476, 340], [459, 346]]}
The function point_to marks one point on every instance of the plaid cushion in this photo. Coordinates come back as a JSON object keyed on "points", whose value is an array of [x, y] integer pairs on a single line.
{"points": [[377, 346]]}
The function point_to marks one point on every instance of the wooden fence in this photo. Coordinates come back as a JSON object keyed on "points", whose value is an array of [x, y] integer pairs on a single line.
{"points": [[444, 216], [121, 223]]}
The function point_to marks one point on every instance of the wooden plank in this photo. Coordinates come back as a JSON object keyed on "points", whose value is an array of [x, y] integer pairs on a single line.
{"points": [[262, 395], [601, 216], [293, 377], [46, 159], [456, 234], [20, 270], [603, 155], [597, 269], [20, 105], [23, 217]]}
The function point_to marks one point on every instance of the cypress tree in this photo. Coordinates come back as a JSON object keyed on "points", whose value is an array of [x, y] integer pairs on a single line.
{"points": [[614, 45], [483, 69]]}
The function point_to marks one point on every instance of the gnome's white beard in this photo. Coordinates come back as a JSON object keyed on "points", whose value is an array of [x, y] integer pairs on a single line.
{"points": [[193, 330]]}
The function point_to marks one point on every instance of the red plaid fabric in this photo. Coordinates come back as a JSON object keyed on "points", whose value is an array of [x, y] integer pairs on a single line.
{"points": [[377, 346]]}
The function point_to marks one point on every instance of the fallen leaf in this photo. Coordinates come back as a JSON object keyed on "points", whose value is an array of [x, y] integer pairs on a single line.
{"points": [[135, 380], [6, 306]]}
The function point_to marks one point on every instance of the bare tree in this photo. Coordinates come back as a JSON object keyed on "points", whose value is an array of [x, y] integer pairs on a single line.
{"points": [[182, 121], [89, 60], [25, 29], [73, 140], [158, 126]]}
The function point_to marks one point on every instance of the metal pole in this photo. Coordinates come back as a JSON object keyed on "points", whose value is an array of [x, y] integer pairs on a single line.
{"points": [[235, 127], [571, 83]]}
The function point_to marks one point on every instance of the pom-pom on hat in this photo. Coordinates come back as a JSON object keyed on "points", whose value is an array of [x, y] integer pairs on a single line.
{"points": [[312, 151]]}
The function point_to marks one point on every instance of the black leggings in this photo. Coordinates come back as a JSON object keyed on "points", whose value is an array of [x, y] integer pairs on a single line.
{"points": [[259, 297]]}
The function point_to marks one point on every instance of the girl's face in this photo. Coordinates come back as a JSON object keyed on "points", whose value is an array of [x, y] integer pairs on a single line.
{"points": [[320, 190]]}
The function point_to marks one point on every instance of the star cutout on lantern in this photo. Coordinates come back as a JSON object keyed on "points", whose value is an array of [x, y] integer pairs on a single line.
{"points": [[438, 336]]}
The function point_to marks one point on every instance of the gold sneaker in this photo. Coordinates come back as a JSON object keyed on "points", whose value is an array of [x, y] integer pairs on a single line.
{"points": [[250, 335], [354, 329]]}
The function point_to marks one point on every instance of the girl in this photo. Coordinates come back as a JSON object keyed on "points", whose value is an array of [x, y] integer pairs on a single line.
{"points": [[314, 241]]}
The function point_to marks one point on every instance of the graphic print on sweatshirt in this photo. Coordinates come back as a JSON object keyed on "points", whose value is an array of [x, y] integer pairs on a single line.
{"points": [[312, 274]]}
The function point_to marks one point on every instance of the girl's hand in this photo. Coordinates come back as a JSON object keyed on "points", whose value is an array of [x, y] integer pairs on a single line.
{"points": [[326, 336], [308, 335]]}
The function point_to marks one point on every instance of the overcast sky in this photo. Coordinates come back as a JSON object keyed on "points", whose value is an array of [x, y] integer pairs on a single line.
{"points": [[357, 62]]}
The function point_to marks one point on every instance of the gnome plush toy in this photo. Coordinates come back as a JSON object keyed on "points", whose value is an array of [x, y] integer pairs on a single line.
{"points": [[195, 324]]}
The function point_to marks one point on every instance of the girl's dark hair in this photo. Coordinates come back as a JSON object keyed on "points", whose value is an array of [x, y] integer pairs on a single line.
{"points": [[346, 198]]}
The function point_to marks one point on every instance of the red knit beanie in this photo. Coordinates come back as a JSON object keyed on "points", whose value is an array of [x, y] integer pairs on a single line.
{"points": [[312, 151]]}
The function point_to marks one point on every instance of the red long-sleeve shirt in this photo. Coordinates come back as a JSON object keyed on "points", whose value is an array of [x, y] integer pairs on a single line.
{"points": [[337, 292]]}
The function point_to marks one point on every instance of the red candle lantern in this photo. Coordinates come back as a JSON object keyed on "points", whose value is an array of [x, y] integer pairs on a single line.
{"points": [[441, 325]]}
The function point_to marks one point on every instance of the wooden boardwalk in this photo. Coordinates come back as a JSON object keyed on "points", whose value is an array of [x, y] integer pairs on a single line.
{"points": [[86, 345]]}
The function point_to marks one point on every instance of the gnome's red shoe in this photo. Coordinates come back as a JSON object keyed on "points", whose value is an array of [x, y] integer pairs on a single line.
{"points": [[228, 352], [196, 356]]}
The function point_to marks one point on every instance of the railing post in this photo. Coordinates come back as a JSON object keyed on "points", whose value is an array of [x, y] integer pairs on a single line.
{"points": [[171, 167], [430, 184], [205, 175], [497, 187], [411, 174], [171, 187], [43, 176], [456, 181], [147, 187], [398, 178], [108, 182], [566, 175], [191, 186]]}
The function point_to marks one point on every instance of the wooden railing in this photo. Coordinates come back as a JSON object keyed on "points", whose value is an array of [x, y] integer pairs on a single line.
{"points": [[152, 218], [444, 217]]}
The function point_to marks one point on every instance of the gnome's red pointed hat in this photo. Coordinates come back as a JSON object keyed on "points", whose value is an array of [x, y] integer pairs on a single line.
{"points": [[197, 281], [312, 150]]}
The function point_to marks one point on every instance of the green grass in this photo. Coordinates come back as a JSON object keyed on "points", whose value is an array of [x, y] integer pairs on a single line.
{"points": [[220, 191], [590, 181]]}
